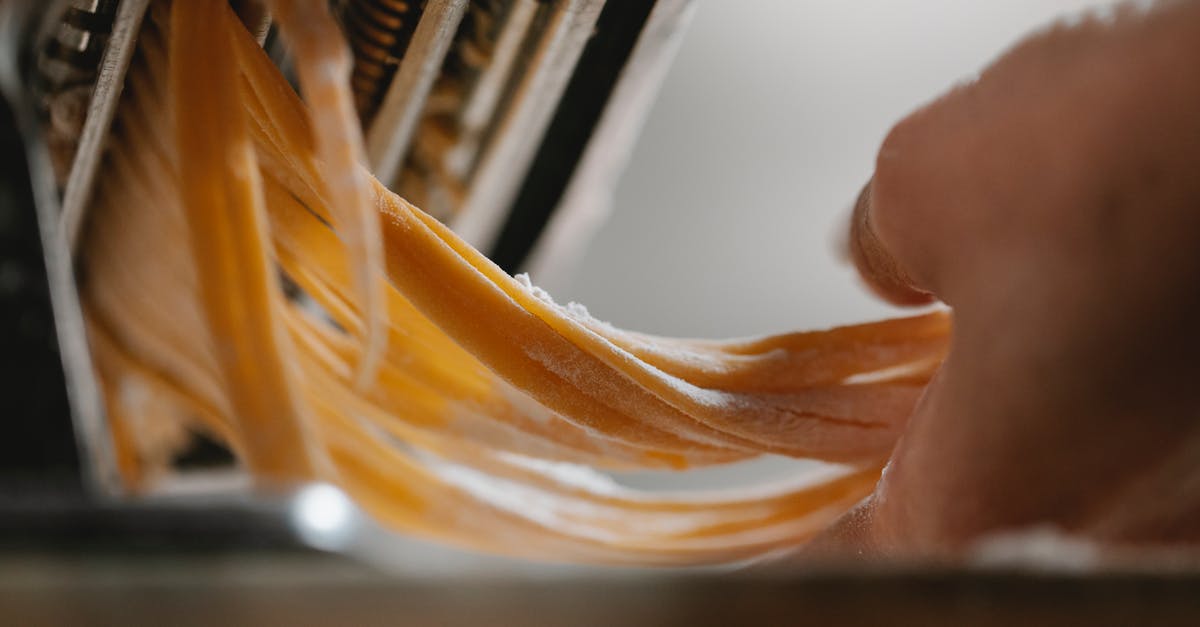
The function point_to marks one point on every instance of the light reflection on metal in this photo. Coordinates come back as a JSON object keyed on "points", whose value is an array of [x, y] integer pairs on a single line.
{"points": [[324, 517]]}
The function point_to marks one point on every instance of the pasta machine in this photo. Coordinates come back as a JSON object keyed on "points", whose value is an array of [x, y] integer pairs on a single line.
{"points": [[507, 119]]}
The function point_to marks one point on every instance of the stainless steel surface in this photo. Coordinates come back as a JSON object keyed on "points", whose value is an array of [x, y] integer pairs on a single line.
{"points": [[391, 130], [22, 25], [588, 199], [502, 164], [379, 33], [103, 106]]}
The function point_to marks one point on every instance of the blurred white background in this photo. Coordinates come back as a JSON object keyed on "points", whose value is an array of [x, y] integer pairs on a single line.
{"points": [[765, 129]]}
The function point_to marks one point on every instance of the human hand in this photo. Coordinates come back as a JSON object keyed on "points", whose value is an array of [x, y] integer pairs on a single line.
{"points": [[1054, 205]]}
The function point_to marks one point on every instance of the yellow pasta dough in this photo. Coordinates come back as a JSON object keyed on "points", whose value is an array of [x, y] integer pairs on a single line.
{"points": [[448, 398]]}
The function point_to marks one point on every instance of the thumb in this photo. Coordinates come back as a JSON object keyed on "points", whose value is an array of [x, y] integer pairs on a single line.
{"points": [[876, 265]]}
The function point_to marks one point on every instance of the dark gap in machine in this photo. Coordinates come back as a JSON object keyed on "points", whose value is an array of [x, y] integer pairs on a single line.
{"points": [[617, 31]]}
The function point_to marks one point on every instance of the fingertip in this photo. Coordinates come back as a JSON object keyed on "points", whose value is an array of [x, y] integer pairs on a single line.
{"points": [[875, 263]]}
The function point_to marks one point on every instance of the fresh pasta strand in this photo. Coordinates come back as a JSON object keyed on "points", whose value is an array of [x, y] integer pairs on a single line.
{"points": [[489, 407], [324, 63]]}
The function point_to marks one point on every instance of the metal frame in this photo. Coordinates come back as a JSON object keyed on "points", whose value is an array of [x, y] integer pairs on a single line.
{"points": [[587, 201]]}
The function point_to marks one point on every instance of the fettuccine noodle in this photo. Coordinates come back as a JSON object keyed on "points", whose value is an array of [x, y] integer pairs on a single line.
{"points": [[448, 398]]}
